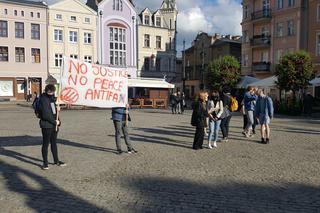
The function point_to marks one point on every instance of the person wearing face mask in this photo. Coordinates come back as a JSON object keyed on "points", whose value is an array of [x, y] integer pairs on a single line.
{"points": [[214, 110], [48, 123]]}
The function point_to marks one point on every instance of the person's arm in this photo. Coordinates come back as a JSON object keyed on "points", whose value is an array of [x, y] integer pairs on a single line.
{"points": [[257, 109], [270, 107], [220, 109]]}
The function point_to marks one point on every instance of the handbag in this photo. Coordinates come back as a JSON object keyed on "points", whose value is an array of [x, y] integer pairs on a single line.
{"points": [[226, 112]]}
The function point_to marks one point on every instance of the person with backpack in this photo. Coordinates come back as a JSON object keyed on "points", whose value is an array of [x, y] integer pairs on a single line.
{"points": [[249, 105], [173, 103], [46, 110], [214, 111], [198, 119], [227, 115], [264, 113]]}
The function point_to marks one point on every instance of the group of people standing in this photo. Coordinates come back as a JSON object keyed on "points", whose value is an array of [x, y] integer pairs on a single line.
{"points": [[177, 102], [214, 111]]}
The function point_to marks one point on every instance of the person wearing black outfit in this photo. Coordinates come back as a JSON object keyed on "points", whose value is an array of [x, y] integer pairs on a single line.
{"points": [[173, 103], [225, 122], [48, 123], [198, 120]]}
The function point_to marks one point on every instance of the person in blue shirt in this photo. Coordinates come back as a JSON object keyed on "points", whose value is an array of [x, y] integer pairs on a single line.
{"points": [[264, 112], [249, 106], [120, 116]]}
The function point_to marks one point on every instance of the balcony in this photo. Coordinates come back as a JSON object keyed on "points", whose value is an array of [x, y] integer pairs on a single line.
{"points": [[261, 15], [261, 66], [260, 41]]}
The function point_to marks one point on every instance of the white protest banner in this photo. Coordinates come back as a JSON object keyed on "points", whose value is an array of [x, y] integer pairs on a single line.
{"points": [[93, 85]]}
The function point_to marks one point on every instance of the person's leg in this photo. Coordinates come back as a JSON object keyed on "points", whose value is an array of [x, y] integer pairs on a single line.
{"points": [[211, 133], [201, 137], [267, 133], [179, 108], [196, 138], [223, 127], [249, 123], [245, 121], [117, 128], [53, 143], [45, 145], [216, 132], [126, 136], [263, 130]]}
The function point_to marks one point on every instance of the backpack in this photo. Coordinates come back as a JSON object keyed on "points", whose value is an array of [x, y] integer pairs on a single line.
{"points": [[234, 104], [36, 106]]}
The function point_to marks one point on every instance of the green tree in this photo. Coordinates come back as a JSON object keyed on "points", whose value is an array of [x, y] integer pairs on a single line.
{"points": [[294, 71], [221, 72]]}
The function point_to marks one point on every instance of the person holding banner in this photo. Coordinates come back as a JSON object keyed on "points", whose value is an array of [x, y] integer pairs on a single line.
{"points": [[120, 117], [49, 120]]}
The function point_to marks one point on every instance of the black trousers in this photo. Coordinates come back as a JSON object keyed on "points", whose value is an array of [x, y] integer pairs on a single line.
{"points": [[225, 123], [49, 136], [198, 137], [245, 122]]}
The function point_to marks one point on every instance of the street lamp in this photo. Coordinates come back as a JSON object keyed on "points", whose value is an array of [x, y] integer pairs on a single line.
{"points": [[101, 14], [184, 68]]}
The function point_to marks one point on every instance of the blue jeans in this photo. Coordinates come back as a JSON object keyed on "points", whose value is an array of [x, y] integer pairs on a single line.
{"points": [[214, 130]]}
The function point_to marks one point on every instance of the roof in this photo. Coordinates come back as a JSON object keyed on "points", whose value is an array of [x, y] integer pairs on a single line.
{"points": [[149, 83], [225, 40], [26, 2], [246, 80], [267, 82]]}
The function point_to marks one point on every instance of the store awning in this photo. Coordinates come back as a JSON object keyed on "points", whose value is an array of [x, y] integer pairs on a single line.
{"points": [[150, 83], [267, 82], [245, 81], [315, 82]]}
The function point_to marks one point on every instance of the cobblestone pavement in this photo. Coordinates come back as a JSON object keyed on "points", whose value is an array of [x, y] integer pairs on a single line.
{"points": [[166, 175]]}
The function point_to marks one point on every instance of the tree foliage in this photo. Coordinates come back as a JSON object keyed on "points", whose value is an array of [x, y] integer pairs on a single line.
{"points": [[294, 71], [223, 72]]}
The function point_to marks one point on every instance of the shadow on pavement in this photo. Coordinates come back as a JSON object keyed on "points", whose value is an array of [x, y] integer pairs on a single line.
{"points": [[27, 140], [174, 195], [44, 196], [159, 140]]}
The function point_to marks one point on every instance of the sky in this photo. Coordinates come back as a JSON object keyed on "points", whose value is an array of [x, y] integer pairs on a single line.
{"points": [[211, 16]]}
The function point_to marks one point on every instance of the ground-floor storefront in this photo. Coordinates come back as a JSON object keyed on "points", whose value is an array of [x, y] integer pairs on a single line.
{"points": [[20, 88]]}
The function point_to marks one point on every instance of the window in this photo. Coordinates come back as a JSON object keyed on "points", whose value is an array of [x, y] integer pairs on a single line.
{"points": [[88, 59], [58, 17], [290, 28], [58, 60], [31, 14], [6, 11], [290, 3], [146, 40], [15, 12], [117, 5], [245, 11], [22, 13], [158, 21], [58, 35], [280, 4], [3, 29], [20, 54], [279, 29], [318, 44], [158, 42], [117, 46], [279, 53], [170, 24], [245, 37], [4, 54], [35, 31], [74, 56], [73, 18], [158, 64], [19, 28], [35, 55], [38, 15], [265, 57], [73, 36], [147, 20], [87, 20], [87, 38], [318, 12], [147, 63]]}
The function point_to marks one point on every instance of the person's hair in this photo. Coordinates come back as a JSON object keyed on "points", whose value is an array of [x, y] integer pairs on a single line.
{"points": [[249, 88], [260, 91], [49, 88], [226, 90], [202, 96]]}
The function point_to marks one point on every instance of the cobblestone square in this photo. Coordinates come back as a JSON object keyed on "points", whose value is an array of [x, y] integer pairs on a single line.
{"points": [[166, 175]]}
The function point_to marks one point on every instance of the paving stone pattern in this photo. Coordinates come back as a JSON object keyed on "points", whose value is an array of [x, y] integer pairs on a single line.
{"points": [[166, 175]]}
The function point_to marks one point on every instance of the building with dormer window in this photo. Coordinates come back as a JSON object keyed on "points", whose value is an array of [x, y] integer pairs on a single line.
{"points": [[157, 41]]}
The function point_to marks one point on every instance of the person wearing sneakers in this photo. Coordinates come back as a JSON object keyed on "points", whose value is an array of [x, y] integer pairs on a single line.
{"points": [[49, 122], [249, 105], [214, 110], [264, 113], [120, 116]]}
